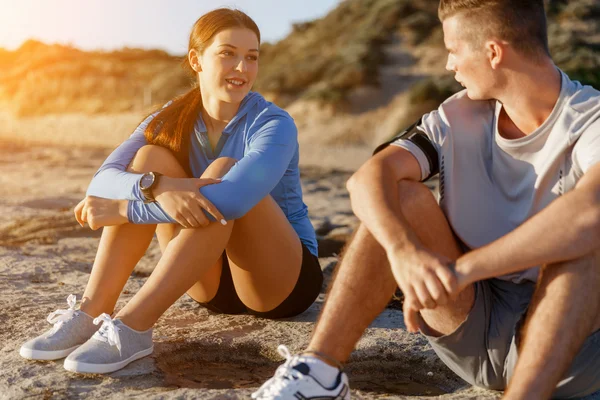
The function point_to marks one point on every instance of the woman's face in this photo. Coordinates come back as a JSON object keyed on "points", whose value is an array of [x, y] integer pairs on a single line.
{"points": [[228, 67]]}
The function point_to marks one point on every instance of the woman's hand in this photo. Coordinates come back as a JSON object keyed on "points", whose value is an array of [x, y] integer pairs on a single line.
{"points": [[182, 200], [99, 212]]}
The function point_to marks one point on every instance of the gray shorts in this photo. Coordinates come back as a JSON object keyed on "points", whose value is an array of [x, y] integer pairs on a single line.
{"points": [[483, 349]]}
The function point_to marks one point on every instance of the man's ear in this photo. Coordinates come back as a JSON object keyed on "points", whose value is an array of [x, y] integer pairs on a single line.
{"points": [[495, 51], [194, 60]]}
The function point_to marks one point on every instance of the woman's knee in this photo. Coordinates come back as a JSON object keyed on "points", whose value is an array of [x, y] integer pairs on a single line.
{"points": [[219, 167], [153, 158]]}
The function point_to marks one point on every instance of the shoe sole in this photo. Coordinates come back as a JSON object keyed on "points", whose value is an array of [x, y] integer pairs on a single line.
{"points": [[45, 355], [86, 368]]}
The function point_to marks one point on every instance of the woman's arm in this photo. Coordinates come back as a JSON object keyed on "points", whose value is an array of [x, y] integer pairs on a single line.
{"points": [[252, 178], [258, 172], [112, 181]]}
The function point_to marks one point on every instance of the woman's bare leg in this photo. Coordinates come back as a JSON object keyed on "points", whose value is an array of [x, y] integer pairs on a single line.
{"points": [[189, 255], [265, 257], [122, 246], [120, 249], [264, 254], [206, 287]]}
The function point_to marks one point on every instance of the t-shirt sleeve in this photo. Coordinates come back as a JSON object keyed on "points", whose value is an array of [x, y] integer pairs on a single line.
{"points": [[423, 141], [586, 152]]}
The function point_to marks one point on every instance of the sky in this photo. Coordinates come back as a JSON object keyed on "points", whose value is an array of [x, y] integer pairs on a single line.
{"points": [[158, 24]]}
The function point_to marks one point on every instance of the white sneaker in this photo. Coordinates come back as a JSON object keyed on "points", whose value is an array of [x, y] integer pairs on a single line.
{"points": [[71, 329], [293, 381]]}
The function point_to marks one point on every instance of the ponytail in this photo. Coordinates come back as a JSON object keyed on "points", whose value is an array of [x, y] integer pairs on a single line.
{"points": [[172, 126]]}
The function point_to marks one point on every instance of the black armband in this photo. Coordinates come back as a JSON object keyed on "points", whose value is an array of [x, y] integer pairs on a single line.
{"points": [[419, 139]]}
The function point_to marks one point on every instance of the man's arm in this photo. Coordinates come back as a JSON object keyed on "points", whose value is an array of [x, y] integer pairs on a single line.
{"points": [[374, 191], [424, 278], [569, 228]]}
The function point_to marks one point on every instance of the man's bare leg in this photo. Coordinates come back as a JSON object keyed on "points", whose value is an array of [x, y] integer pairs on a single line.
{"points": [[364, 279], [564, 311]]}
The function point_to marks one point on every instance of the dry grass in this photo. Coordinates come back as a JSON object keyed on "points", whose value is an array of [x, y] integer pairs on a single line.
{"points": [[323, 60], [38, 79], [320, 72], [71, 130]]}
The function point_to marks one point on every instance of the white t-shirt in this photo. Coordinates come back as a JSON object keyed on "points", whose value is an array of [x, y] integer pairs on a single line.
{"points": [[490, 185]]}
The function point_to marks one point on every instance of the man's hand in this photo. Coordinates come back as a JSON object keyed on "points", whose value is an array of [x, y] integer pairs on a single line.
{"points": [[99, 212], [426, 280], [182, 200]]}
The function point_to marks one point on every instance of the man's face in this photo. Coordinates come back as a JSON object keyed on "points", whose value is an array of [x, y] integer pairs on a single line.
{"points": [[470, 65]]}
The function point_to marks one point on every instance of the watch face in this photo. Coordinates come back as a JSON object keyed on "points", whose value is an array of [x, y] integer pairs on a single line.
{"points": [[147, 181]]}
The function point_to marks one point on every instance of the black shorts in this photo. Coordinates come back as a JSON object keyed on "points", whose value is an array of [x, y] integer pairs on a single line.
{"points": [[307, 288]]}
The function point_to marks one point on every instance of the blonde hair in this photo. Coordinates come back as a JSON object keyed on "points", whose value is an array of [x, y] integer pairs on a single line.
{"points": [[522, 23]]}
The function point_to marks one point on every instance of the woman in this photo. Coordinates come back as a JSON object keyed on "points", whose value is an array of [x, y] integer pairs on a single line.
{"points": [[260, 257]]}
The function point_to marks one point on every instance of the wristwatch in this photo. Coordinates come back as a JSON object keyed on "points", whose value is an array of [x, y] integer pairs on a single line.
{"points": [[148, 183]]}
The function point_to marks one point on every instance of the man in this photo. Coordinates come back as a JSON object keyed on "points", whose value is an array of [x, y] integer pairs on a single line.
{"points": [[518, 153]]}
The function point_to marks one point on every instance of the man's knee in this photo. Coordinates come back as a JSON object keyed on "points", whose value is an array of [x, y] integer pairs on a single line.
{"points": [[219, 167], [588, 266], [153, 158]]}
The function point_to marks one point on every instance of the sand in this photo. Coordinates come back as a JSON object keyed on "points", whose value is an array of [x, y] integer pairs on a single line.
{"points": [[45, 256]]}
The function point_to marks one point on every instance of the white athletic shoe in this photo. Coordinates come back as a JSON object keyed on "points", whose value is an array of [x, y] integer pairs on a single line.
{"points": [[293, 381]]}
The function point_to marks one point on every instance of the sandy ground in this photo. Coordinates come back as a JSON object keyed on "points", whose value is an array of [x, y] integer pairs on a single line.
{"points": [[45, 256]]}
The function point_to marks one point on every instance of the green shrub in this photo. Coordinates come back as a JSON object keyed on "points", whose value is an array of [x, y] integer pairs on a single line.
{"points": [[435, 90], [322, 60], [426, 96], [327, 57], [590, 76]]}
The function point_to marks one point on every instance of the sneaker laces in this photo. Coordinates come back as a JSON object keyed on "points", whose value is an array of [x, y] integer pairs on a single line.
{"points": [[59, 317], [284, 376], [108, 332]]}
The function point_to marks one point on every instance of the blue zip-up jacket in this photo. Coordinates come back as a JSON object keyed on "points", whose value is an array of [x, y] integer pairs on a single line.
{"points": [[261, 137]]}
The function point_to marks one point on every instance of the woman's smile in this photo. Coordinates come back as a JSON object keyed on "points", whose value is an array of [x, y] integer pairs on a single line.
{"points": [[236, 82]]}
